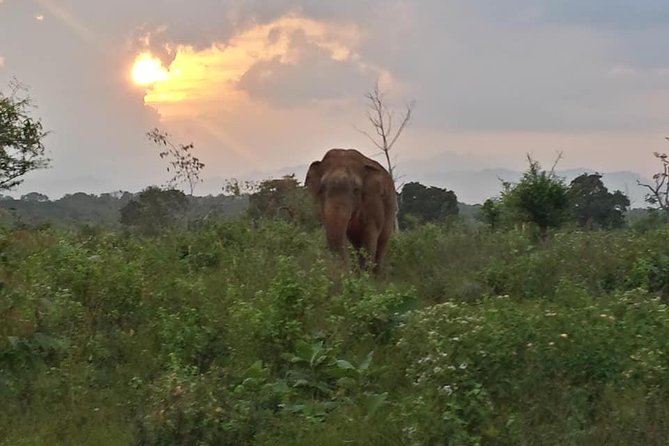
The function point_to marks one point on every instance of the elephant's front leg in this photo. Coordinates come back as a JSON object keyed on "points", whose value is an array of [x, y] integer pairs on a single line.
{"points": [[357, 241], [382, 247], [368, 254], [336, 219]]}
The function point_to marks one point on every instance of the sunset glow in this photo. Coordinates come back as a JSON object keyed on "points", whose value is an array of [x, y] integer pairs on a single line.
{"points": [[263, 88], [200, 78], [148, 70]]}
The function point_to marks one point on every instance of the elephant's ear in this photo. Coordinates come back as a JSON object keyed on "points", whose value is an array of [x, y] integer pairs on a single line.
{"points": [[374, 178], [313, 179]]}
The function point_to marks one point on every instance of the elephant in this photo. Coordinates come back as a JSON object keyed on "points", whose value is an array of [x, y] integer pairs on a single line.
{"points": [[357, 201]]}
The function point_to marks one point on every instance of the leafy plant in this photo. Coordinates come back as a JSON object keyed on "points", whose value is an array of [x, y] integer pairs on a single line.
{"points": [[154, 210], [21, 139], [183, 165], [540, 198]]}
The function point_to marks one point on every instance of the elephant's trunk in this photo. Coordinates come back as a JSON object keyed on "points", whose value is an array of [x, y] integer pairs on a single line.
{"points": [[336, 219]]}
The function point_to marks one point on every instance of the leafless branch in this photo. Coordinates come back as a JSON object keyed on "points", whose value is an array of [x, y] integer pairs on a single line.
{"points": [[560, 155], [405, 121], [659, 192], [372, 140], [383, 122]]}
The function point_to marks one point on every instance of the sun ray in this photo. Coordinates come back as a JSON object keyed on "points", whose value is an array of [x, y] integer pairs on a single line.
{"points": [[215, 130], [69, 20]]}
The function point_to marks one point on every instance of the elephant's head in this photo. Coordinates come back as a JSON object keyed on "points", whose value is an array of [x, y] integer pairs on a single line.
{"points": [[338, 184]]}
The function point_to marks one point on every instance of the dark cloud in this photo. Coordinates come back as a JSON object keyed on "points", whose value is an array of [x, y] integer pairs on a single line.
{"points": [[204, 22], [316, 76]]}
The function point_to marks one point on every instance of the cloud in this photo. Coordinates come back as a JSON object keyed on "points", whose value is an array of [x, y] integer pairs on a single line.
{"points": [[603, 14], [314, 76], [610, 14], [2, 59], [217, 92], [474, 66], [291, 53], [256, 84]]}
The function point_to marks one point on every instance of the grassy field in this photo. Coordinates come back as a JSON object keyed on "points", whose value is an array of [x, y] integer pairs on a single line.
{"points": [[247, 333]]}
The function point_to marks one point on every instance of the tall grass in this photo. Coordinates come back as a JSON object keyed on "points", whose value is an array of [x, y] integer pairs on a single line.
{"points": [[250, 333]]}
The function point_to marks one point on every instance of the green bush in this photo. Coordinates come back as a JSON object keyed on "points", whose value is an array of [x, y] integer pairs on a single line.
{"points": [[491, 372], [249, 332]]}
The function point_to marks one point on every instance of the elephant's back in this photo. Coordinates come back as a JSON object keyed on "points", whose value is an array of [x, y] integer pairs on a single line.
{"points": [[351, 156]]}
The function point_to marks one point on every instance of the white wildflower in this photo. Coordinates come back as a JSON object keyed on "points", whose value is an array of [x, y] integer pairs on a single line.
{"points": [[448, 390]]}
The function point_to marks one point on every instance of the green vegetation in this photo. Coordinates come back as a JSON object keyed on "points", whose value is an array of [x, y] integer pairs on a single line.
{"points": [[240, 332], [21, 139], [421, 204], [192, 329], [593, 205], [82, 209], [154, 210], [282, 198], [658, 192], [542, 200], [183, 166]]}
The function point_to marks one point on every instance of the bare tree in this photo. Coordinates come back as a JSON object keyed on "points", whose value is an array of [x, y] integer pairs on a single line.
{"points": [[658, 194], [184, 167], [385, 134]]}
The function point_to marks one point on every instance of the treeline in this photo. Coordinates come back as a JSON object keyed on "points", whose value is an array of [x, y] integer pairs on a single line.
{"points": [[105, 209], [155, 208], [540, 200]]}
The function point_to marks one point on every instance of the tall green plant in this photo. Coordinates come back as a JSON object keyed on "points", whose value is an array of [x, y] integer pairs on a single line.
{"points": [[21, 139], [540, 198]]}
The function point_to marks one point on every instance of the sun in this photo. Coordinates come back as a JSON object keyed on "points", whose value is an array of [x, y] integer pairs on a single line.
{"points": [[148, 70]]}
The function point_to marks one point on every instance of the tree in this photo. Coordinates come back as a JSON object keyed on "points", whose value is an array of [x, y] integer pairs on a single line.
{"points": [[154, 209], [426, 204], [237, 188], [592, 205], [35, 197], [21, 136], [183, 165], [491, 212], [282, 198], [540, 198], [658, 195], [381, 118]]}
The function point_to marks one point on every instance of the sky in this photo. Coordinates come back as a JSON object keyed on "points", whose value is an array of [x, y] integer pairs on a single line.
{"points": [[266, 86]]}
